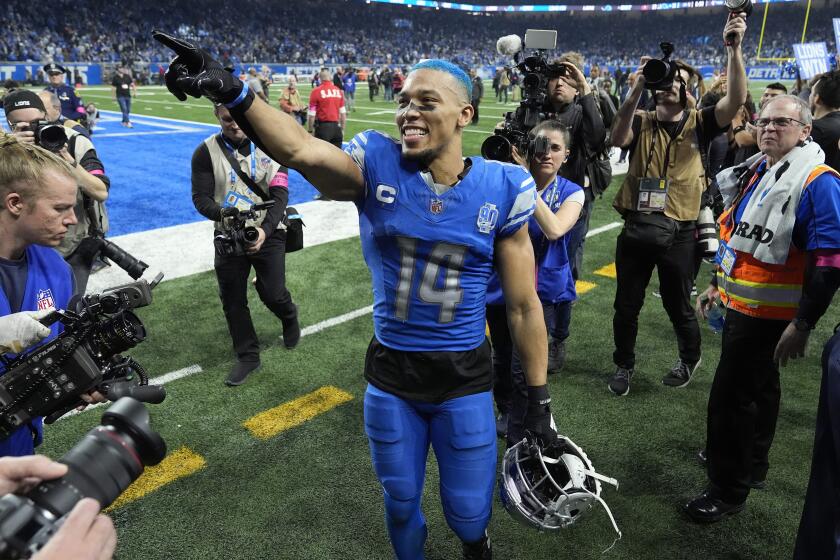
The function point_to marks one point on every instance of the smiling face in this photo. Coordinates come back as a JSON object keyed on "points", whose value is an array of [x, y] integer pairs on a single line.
{"points": [[544, 167], [432, 109]]}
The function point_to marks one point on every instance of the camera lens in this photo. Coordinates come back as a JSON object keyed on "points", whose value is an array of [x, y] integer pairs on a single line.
{"points": [[496, 148], [250, 234], [134, 267], [107, 460], [655, 71], [531, 81], [52, 137], [121, 332]]}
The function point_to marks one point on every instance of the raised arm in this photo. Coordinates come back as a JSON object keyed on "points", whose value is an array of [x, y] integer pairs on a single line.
{"points": [[194, 72], [736, 76], [622, 129]]}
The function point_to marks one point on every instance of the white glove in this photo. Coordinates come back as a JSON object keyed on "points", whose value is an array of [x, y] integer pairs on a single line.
{"points": [[19, 331]]}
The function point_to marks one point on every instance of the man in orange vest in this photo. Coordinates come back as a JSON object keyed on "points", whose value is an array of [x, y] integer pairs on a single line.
{"points": [[778, 268]]}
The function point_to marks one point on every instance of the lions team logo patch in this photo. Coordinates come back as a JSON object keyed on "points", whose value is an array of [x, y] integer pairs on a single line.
{"points": [[45, 299], [488, 215], [265, 162], [436, 206]]}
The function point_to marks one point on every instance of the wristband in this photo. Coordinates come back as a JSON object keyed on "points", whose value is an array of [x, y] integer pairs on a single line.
{"points": [[538, 396], [242, 95]]}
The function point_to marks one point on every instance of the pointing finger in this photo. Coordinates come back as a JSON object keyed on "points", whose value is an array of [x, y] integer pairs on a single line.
{"points": [[181, 47]]}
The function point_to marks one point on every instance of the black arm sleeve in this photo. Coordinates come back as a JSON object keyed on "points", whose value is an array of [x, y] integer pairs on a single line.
{"points": [[821, 283], [280, 196], [636, 127], [91, 163], [204, 184], [709, 127], [594, 131]]}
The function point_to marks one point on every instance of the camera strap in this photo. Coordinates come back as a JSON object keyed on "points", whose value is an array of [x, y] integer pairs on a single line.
{"points": [[234, 163], [671, 140]]}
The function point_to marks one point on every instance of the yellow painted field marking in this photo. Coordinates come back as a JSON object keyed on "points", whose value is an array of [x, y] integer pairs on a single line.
{"points": [[582, 286], [271, 422], [608, 271], [178, 464]]}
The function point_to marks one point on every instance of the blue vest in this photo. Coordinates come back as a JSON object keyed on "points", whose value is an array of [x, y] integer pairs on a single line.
{"points": [[431, 256], [49, 283], [554, 273]]}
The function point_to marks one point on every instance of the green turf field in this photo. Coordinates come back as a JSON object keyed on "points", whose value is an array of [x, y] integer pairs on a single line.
{"points": [[309, 492]]}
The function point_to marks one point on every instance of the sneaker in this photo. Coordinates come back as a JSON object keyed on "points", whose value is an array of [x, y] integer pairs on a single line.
{"points": [[694, 291], [556, 355], [655, 293], [240, 372], [680, 374], [479, 550], [291, 332], [502, 424], [620, 383]]}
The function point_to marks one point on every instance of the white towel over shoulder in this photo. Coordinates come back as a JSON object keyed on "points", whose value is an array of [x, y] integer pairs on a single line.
{"points": [[771, 211]]}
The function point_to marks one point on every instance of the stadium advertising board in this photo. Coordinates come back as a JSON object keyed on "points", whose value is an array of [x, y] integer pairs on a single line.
{"points": [[764, 73], [836, 22], [812, 59], [91, 74]]}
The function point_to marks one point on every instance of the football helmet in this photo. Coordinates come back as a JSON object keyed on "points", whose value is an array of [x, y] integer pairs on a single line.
{"points": [[550, 488]]}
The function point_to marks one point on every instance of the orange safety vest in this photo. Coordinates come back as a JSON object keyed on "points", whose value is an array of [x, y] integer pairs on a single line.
{"points": [[759, 289]]}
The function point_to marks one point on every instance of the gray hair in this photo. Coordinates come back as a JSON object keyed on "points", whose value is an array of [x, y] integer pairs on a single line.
{"points": [[801, 105], [50, 96]]}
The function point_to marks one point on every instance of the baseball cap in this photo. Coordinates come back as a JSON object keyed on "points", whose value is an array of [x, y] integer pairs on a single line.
{"points": [[53, 68], [22, 99]]}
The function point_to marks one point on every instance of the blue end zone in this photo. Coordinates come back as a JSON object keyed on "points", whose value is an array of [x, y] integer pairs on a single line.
{"points": [[149, 168]]}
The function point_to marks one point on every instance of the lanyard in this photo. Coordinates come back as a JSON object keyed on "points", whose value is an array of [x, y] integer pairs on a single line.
{"points": [[253, 160]]}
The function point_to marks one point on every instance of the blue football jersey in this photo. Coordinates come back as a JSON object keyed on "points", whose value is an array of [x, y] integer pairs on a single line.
{"points": [[430, 255]]}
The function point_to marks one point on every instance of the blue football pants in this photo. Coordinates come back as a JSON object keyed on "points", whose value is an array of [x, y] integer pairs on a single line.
{"points": [[462, 432]]}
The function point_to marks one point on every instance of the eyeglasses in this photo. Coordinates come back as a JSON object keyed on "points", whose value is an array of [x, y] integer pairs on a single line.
{"points": [[779, 122]]}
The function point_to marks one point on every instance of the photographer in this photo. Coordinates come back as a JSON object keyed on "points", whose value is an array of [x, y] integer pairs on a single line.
{"points": [[216, 184], [85, 534], [52, 105], [572, 102], [660, 200], [23, 111], [38, 194]]}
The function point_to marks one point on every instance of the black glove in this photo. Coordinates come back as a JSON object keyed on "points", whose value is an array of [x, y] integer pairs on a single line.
{"points": [[538, 418], [193, 71]]}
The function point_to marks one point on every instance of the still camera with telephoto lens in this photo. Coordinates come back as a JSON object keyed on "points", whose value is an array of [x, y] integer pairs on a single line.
{"points": [[49, 379], [101, 466]]}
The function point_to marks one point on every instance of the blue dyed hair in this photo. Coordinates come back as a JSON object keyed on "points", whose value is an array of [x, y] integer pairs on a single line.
{"points": [[451, 69]]}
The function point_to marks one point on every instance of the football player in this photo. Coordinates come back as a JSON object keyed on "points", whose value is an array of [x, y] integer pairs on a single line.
{"points": [[432, 225]]}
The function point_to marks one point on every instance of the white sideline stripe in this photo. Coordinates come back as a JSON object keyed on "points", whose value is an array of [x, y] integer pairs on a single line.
{"points": [[162, 380], [318, 327], [187, 249], [140, 118], [195, 368], [602, 229]]}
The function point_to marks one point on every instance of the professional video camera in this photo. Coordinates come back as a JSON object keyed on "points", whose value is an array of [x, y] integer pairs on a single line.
{"points": [[101, 466], [49, 135], [237, 235], [537, 72], [48, 380]]}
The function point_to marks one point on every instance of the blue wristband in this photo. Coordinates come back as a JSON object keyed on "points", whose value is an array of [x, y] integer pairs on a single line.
{"points": [[238, 100]]}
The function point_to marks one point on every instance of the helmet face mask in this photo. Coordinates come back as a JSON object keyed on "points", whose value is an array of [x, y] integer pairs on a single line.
{"points": [[549, 491]]}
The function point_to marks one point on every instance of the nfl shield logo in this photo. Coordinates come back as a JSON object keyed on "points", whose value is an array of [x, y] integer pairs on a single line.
{"points": [[45, 299], [265, 162], [436, 206]]}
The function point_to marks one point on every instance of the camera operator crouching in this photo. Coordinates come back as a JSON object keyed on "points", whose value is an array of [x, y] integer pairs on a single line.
{"points": [[229, 177], [27, 117], [660, 200]]}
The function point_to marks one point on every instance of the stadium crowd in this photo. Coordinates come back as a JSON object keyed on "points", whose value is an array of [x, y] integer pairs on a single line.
{"points": [[320, 34]]}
